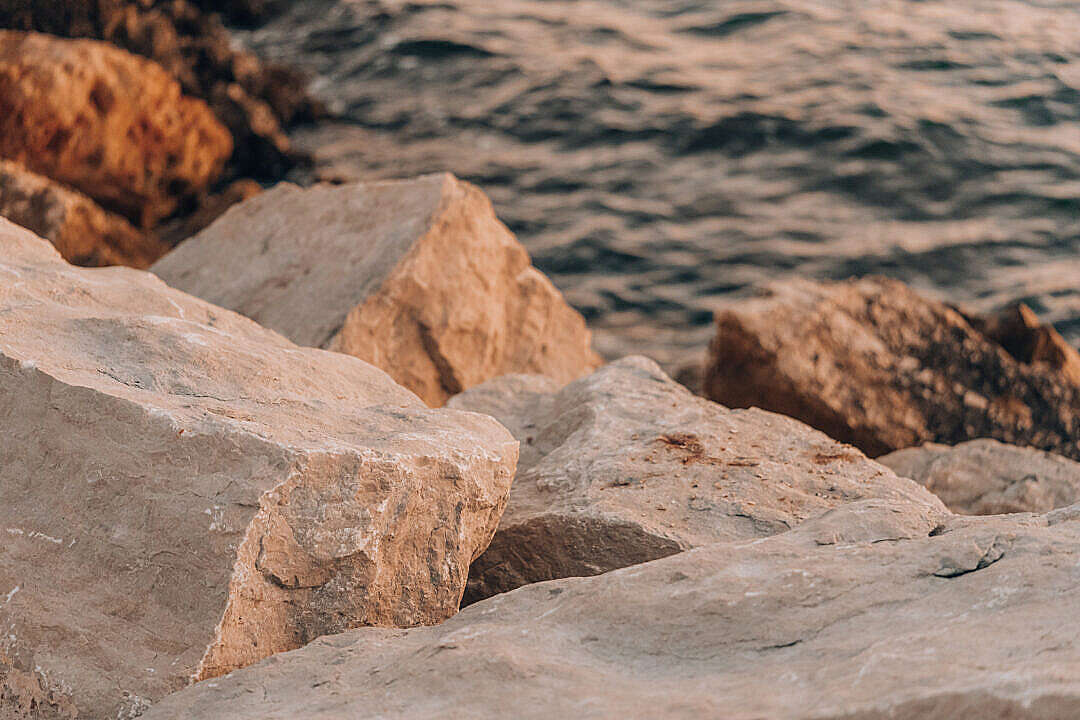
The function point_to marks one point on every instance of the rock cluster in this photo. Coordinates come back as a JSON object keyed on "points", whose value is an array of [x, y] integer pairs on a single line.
{"points": [[254, 99], [871, 612], [417, 277], [872, 363], [202, 519], [186, 492], [626, 466]]}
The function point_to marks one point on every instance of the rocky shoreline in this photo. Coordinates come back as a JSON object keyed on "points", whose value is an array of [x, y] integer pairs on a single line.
{"points": [[345, 452]]}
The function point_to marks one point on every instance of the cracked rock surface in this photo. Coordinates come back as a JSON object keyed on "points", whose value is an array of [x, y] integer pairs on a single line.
{"points": [[986, 477], [625, 466], [873, 363], [864, 626], [417, 277], [185, 492]]}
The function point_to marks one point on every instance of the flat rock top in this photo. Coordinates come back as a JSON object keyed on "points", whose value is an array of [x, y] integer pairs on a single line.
{"points": [[124, 333], [282, 240], [896, 619], [628, 442]]}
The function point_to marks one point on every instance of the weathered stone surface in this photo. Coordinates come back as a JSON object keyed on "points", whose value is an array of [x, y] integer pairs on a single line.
{"points": [[626, 466], [78, 227], [185, 492], [110, 124], [858, 614], [985, 477], [417, 277], [872, 363]]}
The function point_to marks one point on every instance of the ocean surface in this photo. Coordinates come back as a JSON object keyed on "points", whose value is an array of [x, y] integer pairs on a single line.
{"points": [[660, 157]]}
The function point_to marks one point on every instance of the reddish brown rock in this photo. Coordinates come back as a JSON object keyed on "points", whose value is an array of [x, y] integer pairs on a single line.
{"points": [[254, 99], [872, 363], [105, 122], [417, 277], [625, 466], [985, 477], [185, 492], [78, 227], [869, 612]]}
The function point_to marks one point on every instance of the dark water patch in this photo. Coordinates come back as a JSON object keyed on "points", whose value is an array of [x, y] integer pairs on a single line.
{"points": [[733, 24], [436, 49]]}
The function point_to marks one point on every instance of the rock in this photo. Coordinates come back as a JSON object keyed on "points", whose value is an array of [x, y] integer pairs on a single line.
{"points": [[78, 227], [417, 277], [1019, 331], [626, 466], [110, 124], [185, 492], [985, 477], [872, 363], [975, 621], [253, 98]]}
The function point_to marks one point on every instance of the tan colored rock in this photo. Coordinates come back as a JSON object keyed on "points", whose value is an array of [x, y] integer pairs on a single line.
{"points": [[417, 277], [881, 622], [872, 363], [1020, 332], [985, 477], [112, 125], [78, 227], [626, 466], [185, 492]]}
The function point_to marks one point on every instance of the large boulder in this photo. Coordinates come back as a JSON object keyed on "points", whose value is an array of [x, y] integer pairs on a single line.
{"points": [[626, 466], [417, 277], [872, 363], [986, 477], [110, 124], [81, 230], [185, 492], [870, 612]]}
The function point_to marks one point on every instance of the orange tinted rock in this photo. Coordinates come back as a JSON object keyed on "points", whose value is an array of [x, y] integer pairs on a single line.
{"points": [[417, 277], [110, 124], [78, 227]]}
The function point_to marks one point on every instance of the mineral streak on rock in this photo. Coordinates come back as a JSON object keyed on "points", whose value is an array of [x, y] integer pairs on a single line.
{"points": [[185, 492]]}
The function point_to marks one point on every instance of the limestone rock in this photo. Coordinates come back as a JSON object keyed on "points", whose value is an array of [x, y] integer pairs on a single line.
{"points": [[626, 466], [78, 227], [985, 477], [110, 124], [872, 363], [417, 277], [976, 620], [185, 492]]}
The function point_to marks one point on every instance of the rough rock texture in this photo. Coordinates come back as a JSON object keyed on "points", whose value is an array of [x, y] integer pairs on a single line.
{"points": [[1019, 331], [185, 492], [110, 124], [872, 363], [417, 277], [253, 98], [78, 227], [626, 466], [985, 477], [855, 615]]}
